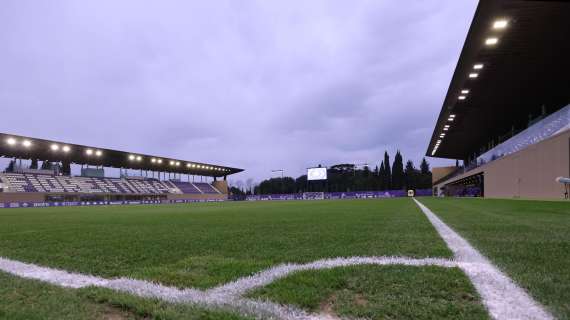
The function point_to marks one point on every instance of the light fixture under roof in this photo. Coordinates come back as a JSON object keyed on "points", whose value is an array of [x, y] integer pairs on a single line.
{"points": [[132, 157], [452, 116], [473, 75], [500, 24], [478, 66], [27, 143], [464, 91], [11, 141], [98, 153], [159, 160], [450, 119], [88, 152], [139, 158], [54, 147], [153, 160], [491, 41], [461, 97], [66, 149]]}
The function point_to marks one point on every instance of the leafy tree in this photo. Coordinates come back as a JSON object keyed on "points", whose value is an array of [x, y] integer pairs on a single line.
{"points": [[34, 164], [46, 165], [411, 175], [424, 167], [66, 168], [425, 175], [10, 167]]}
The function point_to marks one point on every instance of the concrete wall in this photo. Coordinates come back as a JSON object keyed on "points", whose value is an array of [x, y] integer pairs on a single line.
{"points": [[437, 173], [6, 197], [197, 196], [529, 173], [221, 185]]}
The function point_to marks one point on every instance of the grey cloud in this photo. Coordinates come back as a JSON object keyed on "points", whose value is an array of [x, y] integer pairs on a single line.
{"points": [[253, 84]]}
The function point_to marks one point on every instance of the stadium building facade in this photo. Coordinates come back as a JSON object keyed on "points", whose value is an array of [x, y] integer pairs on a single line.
{"points": [[157, 179], [506, 114]]}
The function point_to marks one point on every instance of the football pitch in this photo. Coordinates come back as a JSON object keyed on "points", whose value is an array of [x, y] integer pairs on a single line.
{"points": [[396, 265]]}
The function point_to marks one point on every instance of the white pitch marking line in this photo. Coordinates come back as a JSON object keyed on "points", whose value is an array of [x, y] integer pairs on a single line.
{"points": [[503, 298], [228, 296]]}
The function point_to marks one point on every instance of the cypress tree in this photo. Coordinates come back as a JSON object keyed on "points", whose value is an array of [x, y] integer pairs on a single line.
{"points": [[411, 175], [382, 176], [398, 172], [387, 171]]}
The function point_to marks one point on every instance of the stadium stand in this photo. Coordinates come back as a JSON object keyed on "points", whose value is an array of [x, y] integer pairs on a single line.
{"points": [[506, 114], [187, 188], [18, 182], [22, 184], [206, 188]]}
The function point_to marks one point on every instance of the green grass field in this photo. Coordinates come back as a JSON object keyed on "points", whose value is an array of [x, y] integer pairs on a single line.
{"points": [[530, 240], [204, 245]]}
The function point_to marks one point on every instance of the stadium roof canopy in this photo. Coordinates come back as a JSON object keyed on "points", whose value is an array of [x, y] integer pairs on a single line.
{"points": [[514, 65], [15, 146]]}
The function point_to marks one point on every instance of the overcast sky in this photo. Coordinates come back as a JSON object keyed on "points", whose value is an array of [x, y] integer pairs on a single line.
{"points": [[258, 85]]}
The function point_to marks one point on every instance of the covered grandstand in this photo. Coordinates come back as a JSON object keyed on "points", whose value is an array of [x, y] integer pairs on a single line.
{"points": [[506, 114], [159, 179]]}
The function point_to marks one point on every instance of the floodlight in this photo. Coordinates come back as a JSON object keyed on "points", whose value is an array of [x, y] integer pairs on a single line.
{"points": [[177, 163], [27, 143], [450, 119], [464, 91], [473, 75], [500, 24], [98, 153], [491, 41], [188, 165], [54, 147], [139, 158], [11, 141], [452, 116], [171, 162], [89, 152], [153, 160], [461, 97], [131, 157], [193, 165], [66, 149], [159, 160], [478, 66]]}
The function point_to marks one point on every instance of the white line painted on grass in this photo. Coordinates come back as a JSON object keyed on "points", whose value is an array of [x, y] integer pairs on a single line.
{"points": [[227, 297], [502, 297]]}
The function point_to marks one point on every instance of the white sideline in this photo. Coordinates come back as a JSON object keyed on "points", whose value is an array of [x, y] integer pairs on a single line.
{"points": [[503, 298], [228, 296]]}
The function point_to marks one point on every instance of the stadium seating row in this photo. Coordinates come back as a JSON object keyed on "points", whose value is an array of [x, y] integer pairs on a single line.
{"points": [[18, 182]]}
